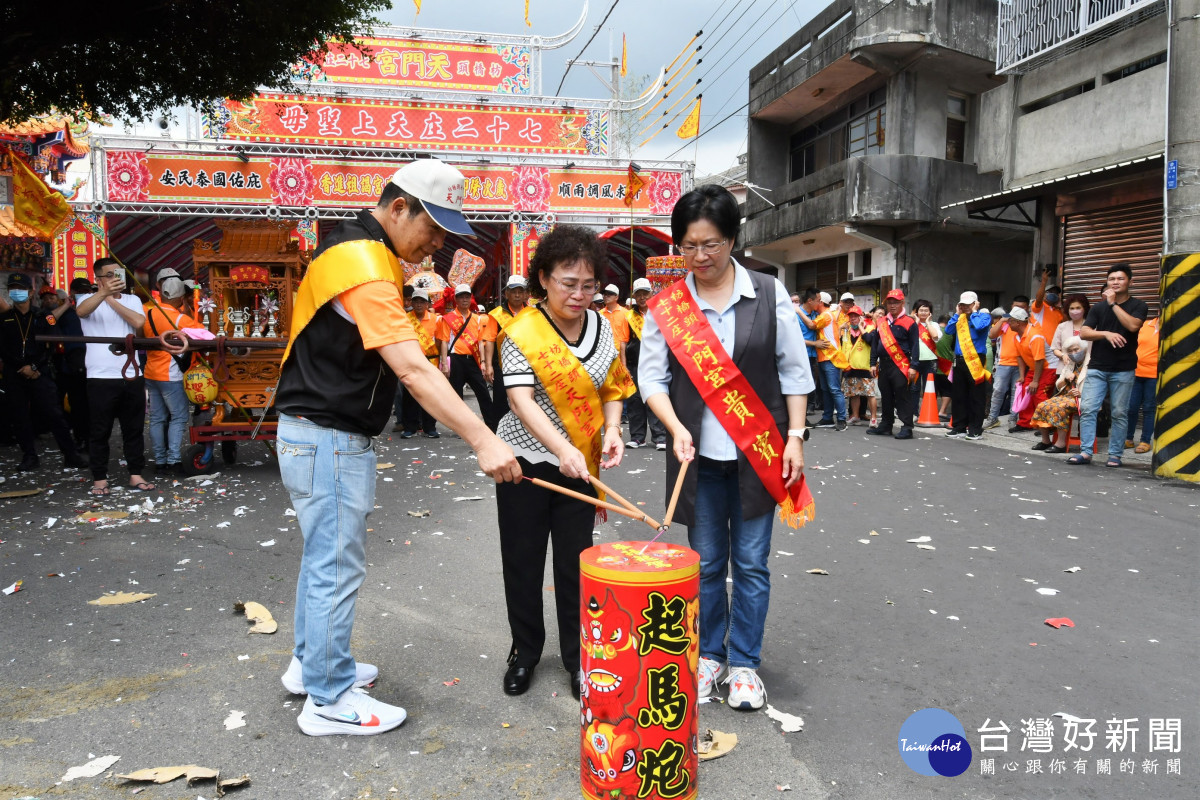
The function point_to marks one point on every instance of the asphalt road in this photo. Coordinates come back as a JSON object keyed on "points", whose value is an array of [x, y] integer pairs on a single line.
{"points": [[891, 629]]}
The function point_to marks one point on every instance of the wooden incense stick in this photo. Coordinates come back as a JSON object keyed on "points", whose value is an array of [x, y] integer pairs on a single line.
{"points": [[600, 485], [638, 515], [670, 505]]}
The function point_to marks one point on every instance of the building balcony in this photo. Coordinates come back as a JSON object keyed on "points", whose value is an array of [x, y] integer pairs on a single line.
{"points": [[869, 190], [853, 42]]}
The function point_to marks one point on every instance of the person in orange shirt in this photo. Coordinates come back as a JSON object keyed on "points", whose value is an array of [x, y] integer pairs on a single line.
{"points": [[169, 406], [830, 362], [461, 334], [1035, 376], [1145, 381], [1005, 372], [617, 319], [1046, 311], [424, 322]]}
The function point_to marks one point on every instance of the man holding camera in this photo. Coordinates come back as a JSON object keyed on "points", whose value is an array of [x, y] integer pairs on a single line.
{"points": [[109, 311]]}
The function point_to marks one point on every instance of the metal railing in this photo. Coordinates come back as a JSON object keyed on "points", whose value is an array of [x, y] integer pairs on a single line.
{"points": [[1030, 30]]}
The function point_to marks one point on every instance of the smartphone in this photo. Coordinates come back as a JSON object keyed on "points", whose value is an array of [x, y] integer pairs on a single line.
{"points": [[119, 277]]}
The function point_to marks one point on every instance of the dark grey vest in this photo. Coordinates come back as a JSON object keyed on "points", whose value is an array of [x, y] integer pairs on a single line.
{"points": [[754, 354]]}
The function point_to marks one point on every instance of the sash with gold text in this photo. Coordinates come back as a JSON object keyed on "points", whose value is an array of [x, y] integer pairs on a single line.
{"points": [[636, 323], [943, 364], [429, 345], [893, 347], [979, 373], [731, 398]]}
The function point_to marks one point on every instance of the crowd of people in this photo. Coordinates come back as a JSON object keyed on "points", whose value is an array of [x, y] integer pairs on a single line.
{"points": [[1041, 363], [722, 370]]}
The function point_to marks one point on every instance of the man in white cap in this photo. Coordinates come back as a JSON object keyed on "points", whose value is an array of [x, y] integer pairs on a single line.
{"points": [[615, 315], [350, 340], [639, 414], [424, 321], [169, 407], [516, 296], [461, 335], [845, 303], [970, 381]]}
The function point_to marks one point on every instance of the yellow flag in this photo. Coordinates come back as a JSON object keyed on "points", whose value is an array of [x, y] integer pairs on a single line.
{"points": [[417, 3], [624, 57], [528, 24], [691, 125], [37, 205]]}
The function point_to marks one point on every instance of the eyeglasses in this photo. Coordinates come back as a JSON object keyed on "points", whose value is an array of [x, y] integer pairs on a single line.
{"points": [[571, 287], [708, 248]]}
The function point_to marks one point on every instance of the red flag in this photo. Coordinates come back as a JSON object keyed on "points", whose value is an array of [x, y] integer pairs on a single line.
{"points": [[633, 185]]}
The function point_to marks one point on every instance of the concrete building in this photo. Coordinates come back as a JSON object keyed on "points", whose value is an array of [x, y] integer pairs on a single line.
{"points": [[862, 130], [1078, 136]]}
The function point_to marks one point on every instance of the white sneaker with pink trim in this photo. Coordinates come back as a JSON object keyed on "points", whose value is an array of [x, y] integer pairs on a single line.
{"points": [[709, 673], [746, 691]]}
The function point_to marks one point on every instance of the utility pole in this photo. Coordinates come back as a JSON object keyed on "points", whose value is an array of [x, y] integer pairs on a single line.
{"points": [[1177, 424]]}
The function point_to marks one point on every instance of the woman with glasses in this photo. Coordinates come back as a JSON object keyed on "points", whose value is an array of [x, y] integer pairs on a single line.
{"points": [[565, 386], [724, 367]]}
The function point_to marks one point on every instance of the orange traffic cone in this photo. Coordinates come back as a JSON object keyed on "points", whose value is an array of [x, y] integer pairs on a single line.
{"points": [[929, 409]]}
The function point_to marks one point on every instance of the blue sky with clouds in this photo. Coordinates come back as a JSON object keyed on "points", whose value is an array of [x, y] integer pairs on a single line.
{"points": [[737, 35]]}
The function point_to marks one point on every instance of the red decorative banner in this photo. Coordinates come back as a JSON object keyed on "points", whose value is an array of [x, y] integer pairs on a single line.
{"points": [[215, 178], [425, 64], [411, 125], [78, 247], [525, 238]]}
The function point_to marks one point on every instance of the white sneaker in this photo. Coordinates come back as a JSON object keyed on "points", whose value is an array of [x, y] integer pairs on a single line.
{"points": [[660, 446], [709, 673], [633, 445], [293, 679], [355, 714], [746, 691]]}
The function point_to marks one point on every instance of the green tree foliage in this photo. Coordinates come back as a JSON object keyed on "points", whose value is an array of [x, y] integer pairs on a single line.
{"points": [[135, 58]]}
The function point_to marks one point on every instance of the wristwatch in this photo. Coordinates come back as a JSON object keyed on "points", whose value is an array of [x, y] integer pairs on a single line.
{"points": [[799, 433]]}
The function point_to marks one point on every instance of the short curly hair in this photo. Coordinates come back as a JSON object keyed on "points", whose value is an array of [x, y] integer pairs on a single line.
{"points": [[566, 244]]}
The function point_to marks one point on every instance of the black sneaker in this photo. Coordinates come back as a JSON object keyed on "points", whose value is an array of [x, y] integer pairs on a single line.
{"points": [[905, 433], [408, 434], [878, 431], [825, 423], [432, 435], [28, 464], [1017, 429], [74, 461], [840, 426], [973, 437], [954, 433]]}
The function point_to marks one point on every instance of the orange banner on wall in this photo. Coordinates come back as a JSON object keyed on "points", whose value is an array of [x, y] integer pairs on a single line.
{"points": [[426, 64], [215, 178], [411, 124]]}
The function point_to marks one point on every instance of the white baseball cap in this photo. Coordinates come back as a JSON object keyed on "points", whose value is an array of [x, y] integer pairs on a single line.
{"points": [[163, 274], [826, 298], [597, 298], [515, 282], [439, 187], [172, 289], [967, 298], [462, 288], [846, 296], [611, 289], [1018, 313], [642, 283], [420, 294]]}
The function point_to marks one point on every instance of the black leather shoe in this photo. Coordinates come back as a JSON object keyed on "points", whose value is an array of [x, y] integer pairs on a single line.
{"points": [[74, 461], [905, 433], [877, 431], [575, 684], [517, 679], [28, 464]]}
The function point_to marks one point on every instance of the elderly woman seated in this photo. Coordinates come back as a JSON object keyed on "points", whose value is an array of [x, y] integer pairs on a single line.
{"points": [[1055, 413]]}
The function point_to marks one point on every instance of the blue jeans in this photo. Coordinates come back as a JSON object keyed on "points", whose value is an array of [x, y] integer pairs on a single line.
{"points": [[168, 420], [723, 538], [1117, 386], [1002, 380], [831, 391], [330, 476], [1141, 398]]}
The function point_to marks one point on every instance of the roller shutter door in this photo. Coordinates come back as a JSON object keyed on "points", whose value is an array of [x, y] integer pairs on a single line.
{"points": [[1095, 240]]}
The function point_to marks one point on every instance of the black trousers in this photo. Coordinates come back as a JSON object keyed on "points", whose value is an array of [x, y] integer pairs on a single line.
{"points": [[968, 399], [414, 417], [529, 517], [816, 396], [35, 401], [465, 371], [499, 394], [897, 396], [124, 401], [72, 384], [640, 416]]}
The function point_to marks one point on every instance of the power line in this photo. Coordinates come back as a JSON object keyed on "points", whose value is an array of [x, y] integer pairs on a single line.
{"points": [[585, 47]]}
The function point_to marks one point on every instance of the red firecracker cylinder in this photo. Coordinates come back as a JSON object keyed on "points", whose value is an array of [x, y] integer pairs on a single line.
{"points": [[639, 621]]}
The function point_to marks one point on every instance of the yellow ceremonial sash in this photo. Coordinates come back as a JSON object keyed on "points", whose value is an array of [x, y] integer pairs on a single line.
{"points": [[636, 323], [502, 316], [339, 269], [731, 398], [893, 347], [429, 345], [568, 384], [979, 373]]}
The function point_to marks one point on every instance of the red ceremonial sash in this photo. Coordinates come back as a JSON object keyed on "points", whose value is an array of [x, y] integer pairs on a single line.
{"points": [[944, 364], [893, 347], [731, 398]]}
